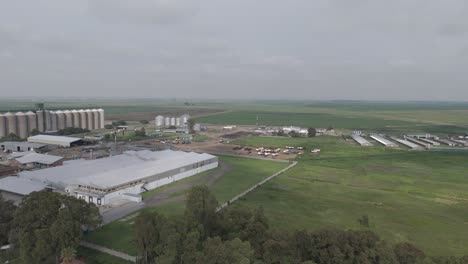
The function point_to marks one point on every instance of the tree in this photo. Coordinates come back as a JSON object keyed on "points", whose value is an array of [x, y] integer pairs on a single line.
{"points": [[11, 137], [200, 211], [141, 132], [46, 223], [7, 209], [191, 124], [407, 253], [311, 132], [148, 227], [108, 126], [215, 251], [68, 255], [35, 132], [294, 134], [144, 122]]}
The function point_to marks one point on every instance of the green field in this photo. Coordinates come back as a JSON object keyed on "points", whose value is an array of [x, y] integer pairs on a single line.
{"points": [[118, 235], [90, 256], [419, 197]]}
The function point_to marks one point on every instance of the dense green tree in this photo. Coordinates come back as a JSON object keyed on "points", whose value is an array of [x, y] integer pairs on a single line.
{"points": [[216, 251], [200, 211], [35, 132], [191, 124], [148, 227], [311, 132], [190, 247], [140, 132], [407, 253], [7, 212], [46, 223]]}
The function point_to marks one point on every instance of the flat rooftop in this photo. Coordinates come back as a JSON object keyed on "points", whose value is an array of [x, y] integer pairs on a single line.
{"points": [[115, 171], [20, 186]]}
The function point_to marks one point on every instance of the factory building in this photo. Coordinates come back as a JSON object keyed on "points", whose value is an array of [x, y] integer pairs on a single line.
{"points": [[23, 123], [123, 176], [180, 121]]}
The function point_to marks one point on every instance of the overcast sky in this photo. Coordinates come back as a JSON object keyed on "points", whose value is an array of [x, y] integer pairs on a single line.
{"points": [[261, 49]]}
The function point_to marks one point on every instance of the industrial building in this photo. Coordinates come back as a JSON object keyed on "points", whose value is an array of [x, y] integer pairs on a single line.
{"points": [[384, 141], [362, 141], [60, 141], [13, 188], [18, 146], [32, 160], [168, 121], [123, 176], [407, 143], [22, 124]]}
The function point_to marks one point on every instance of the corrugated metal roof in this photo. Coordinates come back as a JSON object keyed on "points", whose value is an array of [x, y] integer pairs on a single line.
{"points": [[20, 186], [39, 158], [55, 138], [116, 170]]}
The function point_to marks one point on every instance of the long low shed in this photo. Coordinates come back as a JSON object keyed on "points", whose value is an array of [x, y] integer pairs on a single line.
{"points": [[407, 143], [384, 141], [54, 140], [362, 141], [102, 180]]}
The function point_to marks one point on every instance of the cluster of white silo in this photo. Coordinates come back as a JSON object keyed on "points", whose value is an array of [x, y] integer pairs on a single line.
{"points": [[22, 124], [167, 121]]}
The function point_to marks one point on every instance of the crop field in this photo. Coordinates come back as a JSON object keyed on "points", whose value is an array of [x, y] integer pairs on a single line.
{"points": [[421, 197], [243, 174]]}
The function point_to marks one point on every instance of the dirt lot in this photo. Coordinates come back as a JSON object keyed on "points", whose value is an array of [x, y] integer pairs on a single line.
{"points": [[137, 116]]}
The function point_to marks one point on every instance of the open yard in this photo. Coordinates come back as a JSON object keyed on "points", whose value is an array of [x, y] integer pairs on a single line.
{"points": [[421, 197], [244, 173]]}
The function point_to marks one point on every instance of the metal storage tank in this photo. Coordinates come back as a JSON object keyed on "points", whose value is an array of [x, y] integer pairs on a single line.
{"points": [[83, 119], [40, 121], [96, 119], [159, 121], [60, 120], [53, 121], [22, 125], [3, 128], [68, 118], [173, 121], [184, 118], [76, 119], [11, 123], [101, 118], [177, 121], [167, 121], [48, 121], [90, 119], [32, 121]]}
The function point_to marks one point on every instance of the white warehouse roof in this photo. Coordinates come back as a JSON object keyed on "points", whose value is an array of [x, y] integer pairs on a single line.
{"points": [[53, 140], [116, 170], [20, 186], [38, 158]]}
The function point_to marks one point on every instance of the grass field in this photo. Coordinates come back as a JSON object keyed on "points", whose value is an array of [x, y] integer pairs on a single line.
{"points": [[90, 256], [118, 235], [419, 197]]}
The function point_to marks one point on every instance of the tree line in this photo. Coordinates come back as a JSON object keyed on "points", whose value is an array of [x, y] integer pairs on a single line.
{"points": [[243, 235]]}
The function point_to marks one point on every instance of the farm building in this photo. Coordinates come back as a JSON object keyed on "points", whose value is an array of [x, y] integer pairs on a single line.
{"points": [[384, 141], [14, 146], [34, 160], [362, 141], [13, 188], [8, 170], [56, 140], [123, 176]]}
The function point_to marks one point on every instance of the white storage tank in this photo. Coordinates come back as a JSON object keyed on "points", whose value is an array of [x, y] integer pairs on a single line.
{"points": [[53, 121], [184, 118], [173, 121], [101, 118], [76, 119], [167, 121], [96, 119], [177, 121], [40, 121], [3, 127], [90, 119], [83, 119], [60, 120], [32, 121], [11, 123], [22, 125], [68, 118], [159, 121]]}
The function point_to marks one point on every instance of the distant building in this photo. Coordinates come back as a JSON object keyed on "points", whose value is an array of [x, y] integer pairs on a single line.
{"points": [[37, 161], [167, 121], [16, 146], [56, 140], [14, 189]]}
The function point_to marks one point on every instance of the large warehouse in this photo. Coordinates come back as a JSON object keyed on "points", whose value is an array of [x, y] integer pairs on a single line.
{"points": [[123, 176]]}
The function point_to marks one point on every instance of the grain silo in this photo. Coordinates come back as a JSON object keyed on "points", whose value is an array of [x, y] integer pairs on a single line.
{"points": [[76, 118], [83, 119], [173, 119], [32, 121], [53, 121], [90, 118], [48, 121], [177, 121], [68, 118], [184, 118], [167, 121], [22, 125], [159, 121], [3, 128], [60, 120], [96, 118], [40, 120], [101, 118], [11, 123]]}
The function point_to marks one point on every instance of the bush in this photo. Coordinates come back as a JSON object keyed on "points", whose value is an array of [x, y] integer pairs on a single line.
{"points": [[119, 123], [144, 122], [108, 126]]}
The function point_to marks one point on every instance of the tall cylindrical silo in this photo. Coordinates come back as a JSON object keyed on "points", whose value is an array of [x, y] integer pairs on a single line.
{"points": [[53, 121], [60, 120], [3, 127], [48, 121], [76, 119], [40, 121], [90, 118], [22, 125], [167, 121], [68, 118], [11, 123], [159, 121], [83, 119], [101, 118], [173, 121], [97, 119], [177, 121], [32, 121]]}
